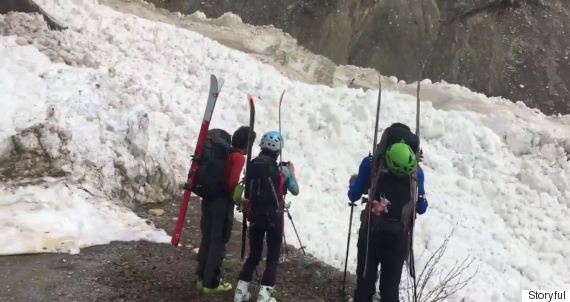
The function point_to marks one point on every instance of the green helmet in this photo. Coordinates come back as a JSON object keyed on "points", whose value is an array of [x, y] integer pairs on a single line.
{"points": [[401, 159]]}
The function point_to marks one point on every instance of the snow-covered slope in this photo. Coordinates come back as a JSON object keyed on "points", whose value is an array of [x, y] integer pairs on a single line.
{"points": [[122, 124]]}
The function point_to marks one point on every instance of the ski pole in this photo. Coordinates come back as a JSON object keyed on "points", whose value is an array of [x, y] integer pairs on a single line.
{"points": [[352, 205], [296, 233], [284, 250]]}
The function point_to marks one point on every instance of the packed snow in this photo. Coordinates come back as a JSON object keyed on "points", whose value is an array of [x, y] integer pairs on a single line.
{"points": [[54, 217], [128, 112], [39, 213]]}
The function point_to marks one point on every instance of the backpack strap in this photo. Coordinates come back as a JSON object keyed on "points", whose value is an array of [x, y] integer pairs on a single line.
{"points": [[275, 195], [414, 194]]}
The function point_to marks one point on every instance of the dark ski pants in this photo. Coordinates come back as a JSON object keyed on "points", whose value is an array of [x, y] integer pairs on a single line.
{"points": [[216, 226], [274, 236], [388, 250]]}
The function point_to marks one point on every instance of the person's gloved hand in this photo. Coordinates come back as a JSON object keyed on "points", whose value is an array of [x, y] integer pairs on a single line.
{"points": [[420, 155], [380, 206], [238, 194], [352, 179], [422, 205]]}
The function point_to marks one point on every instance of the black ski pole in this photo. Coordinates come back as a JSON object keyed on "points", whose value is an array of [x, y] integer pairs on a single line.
{"points": [[296, 233], [352, 205]]}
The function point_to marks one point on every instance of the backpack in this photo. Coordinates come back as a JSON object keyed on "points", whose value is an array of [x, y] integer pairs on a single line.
{"points": [[400, 191], [211, 176], [397, 133], [263, 191]]}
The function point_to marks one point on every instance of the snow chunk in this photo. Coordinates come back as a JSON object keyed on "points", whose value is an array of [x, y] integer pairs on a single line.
{"points": [[58, 217]]}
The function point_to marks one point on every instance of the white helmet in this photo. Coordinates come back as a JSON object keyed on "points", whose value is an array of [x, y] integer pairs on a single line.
{"points": [[271, 141]]}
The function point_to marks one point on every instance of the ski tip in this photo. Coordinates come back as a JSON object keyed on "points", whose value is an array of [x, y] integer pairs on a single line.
{"points": [[175, 240], [218, 81]]}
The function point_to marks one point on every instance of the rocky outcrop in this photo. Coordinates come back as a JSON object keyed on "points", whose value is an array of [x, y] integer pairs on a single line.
{"points": [[518, 49], [28, 6]]}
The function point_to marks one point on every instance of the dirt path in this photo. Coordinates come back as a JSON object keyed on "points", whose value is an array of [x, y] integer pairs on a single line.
{"points": [[143, 271]]}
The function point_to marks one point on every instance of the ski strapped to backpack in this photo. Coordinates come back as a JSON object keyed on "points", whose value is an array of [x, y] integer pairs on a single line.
{"points": [[247, 166], [281, 149], [411, 259], [373, 174], [282, 183], [215, 88]]}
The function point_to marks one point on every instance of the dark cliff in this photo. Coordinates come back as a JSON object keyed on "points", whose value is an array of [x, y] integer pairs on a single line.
{"points": [[518, 49]]}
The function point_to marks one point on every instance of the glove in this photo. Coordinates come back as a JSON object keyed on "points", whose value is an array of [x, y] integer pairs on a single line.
{"points": [[422, 205], [289, 166], [381, 206], [352, 179], [238, 193]]}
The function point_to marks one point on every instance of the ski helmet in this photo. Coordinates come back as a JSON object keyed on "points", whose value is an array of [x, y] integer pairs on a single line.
{"points": [[272, 141], [401, 160]]}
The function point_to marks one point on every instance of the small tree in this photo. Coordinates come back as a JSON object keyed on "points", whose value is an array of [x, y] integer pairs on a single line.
{"points": [[450, 282]]}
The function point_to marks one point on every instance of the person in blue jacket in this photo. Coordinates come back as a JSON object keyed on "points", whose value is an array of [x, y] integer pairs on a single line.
{"points": [[388, 240], [361, 183]]}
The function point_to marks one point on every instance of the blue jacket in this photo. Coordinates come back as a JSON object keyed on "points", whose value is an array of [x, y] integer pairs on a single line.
{"points": [[290, 181], [362, 183]]}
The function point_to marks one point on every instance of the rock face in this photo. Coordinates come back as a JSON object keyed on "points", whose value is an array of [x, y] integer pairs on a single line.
{"points": [[28, 6], [518, 49]]}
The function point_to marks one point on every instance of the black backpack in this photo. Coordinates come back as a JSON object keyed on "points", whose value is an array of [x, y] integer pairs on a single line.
{"points": [[397, 133], [398, 190], [262, 191], [211, 180]]}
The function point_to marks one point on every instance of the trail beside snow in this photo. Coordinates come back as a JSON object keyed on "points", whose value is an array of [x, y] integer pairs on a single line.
{"points": [[125, 118]]}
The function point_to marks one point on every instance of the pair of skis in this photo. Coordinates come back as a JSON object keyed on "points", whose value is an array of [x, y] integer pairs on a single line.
{"points": [[215, 88]]}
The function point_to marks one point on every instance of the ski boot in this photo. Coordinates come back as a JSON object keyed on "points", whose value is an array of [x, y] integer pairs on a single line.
{"points": [[242, 292], [221, 288], [266, 294]]}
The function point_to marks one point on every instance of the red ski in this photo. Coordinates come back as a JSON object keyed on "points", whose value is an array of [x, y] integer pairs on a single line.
{"points": [[215, 87]]}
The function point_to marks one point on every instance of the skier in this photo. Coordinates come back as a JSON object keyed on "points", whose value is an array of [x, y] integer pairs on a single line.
{"points": [[265, 186], [217, 220], [391, 212]]}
